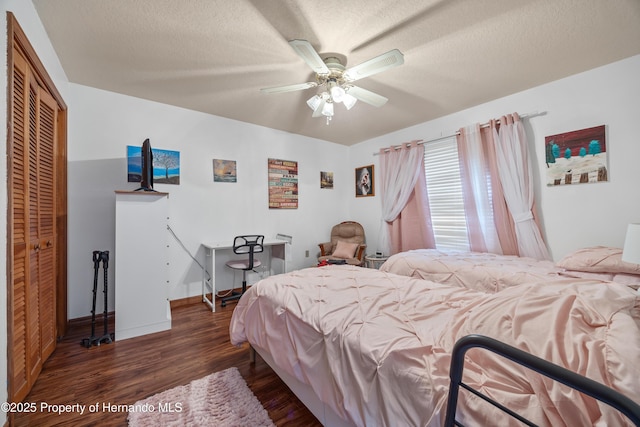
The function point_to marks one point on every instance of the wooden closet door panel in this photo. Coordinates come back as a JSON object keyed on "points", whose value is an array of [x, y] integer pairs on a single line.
{"points": [[18, 304], [34, 355], [46, 134]]}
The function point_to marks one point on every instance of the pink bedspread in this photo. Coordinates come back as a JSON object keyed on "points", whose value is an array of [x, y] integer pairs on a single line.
{"points": [[376, 346], [474, 270]]}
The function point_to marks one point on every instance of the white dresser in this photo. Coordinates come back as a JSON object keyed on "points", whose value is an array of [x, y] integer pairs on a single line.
{"points": [[141, 264]]}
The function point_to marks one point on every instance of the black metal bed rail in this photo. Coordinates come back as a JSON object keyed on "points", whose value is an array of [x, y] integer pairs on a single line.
{"points": [[585, 385]]}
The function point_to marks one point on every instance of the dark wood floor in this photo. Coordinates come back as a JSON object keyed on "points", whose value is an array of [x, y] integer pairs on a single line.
{"points": [[124, 372]]}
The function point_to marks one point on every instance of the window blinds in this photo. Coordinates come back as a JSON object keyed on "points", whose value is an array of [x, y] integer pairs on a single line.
{"points": [[444, 187]]}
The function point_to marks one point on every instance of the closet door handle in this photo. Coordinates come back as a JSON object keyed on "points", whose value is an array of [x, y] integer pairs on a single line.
{"points": [[36, 247], [49, 243]]}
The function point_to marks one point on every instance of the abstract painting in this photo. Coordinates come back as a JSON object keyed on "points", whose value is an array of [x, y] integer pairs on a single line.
{"points": [[576, 157]]}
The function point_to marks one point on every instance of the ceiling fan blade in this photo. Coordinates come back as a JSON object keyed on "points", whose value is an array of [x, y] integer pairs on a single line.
{"points": [[388, 60], [367, 96], [304, 49], [289, 88]]}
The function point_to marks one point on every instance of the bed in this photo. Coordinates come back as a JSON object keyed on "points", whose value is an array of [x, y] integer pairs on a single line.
{"points": [[374, 348], [492, 273]]}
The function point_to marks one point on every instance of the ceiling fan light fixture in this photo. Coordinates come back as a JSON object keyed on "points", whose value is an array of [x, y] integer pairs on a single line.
{"points": [[327, 109], [314, 102], [319, 109], [337, 92], [349, 101]]}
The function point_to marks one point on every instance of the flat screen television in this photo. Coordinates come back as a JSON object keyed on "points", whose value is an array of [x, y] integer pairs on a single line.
{"points": [[146, 157]]}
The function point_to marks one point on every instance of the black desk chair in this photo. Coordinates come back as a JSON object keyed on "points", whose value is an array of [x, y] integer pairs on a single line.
{"points": [[249, 244]]}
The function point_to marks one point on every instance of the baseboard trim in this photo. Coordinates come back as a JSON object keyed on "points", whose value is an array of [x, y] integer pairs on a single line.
{"points": [[173, 304], [87, 319], [185, 301]]}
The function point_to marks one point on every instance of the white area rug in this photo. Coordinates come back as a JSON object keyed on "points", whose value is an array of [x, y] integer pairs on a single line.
{"points": [[220, 399]]}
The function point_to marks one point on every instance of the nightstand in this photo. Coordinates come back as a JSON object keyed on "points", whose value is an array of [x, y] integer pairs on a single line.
{"points": [[375, 261]]}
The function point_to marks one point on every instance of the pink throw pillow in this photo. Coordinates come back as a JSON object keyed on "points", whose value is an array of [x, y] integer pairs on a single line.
{"points": [[598, 259], [345, 250]]}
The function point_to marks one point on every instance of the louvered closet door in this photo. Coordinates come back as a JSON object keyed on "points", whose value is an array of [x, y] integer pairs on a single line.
{"points": [[20, 370], [46, 203], [33, 215], [34, 356]]}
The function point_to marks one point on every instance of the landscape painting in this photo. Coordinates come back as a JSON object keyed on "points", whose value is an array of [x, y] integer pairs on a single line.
{"points": [[326, 179], [166, 165], [224, 170], [577, 157]]}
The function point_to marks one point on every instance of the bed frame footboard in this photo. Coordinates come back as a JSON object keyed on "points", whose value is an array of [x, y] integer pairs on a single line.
{"points": [[585, 385]]}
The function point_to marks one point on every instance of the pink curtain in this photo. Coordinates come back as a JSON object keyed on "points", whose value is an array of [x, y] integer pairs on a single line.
{"points": [[406, 222], [490, 227], [502, 219], [412, 229], [491, 218], [476, 191]]}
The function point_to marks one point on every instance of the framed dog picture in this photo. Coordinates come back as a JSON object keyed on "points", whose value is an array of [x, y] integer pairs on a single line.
{"points": [[364, 181]]}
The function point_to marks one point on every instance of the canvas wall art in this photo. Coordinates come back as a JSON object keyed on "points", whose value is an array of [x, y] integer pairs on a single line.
{"points": [[166, 165], [283, 184], [224, 170], [364, 181], [576, 157], [326, 179]]}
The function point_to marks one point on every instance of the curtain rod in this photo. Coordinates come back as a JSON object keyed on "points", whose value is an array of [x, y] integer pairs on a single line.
{"points": [[484, 125]]}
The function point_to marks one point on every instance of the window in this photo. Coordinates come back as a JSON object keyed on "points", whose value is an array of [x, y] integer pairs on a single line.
{"points": [[444, 187]]}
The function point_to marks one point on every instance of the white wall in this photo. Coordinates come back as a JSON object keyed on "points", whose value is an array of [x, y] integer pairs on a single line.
{"points": [[30, 23], [200, 209], [573, 216]]}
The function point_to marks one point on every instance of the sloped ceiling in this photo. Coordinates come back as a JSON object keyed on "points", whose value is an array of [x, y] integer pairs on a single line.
{"points": [[215, 55]]}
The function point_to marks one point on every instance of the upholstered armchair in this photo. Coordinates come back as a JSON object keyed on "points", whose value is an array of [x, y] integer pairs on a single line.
{"points": [[347, 243]]}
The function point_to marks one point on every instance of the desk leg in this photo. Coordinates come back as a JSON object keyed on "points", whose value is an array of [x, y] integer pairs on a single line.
{"points": [[209, 285], [281, 252]]}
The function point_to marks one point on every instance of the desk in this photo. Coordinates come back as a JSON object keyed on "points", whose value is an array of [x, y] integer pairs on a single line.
{"points": [[278, 248]]}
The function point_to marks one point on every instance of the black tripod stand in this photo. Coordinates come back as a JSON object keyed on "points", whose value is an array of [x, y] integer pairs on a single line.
{"points": [[106, 337]]}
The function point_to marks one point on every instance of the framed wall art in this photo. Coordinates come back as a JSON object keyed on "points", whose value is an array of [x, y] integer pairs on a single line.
{"points": [[283, 184], [576, 157], [224, 171], [365, 181], [326, 179]]}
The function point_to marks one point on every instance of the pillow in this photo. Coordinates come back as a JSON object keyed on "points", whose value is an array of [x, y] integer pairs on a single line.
{"points": [[605, 277], [598, 259], [345, 250]]}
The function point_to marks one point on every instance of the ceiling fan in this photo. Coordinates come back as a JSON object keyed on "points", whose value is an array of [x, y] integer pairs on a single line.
{"points": [[335, 80]]}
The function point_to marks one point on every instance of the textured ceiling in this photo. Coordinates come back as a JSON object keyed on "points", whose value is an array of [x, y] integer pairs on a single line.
{"points": [[215, 55]]}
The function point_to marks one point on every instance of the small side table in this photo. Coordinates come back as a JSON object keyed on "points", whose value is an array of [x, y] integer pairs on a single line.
{"points": [[375, 261]]}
